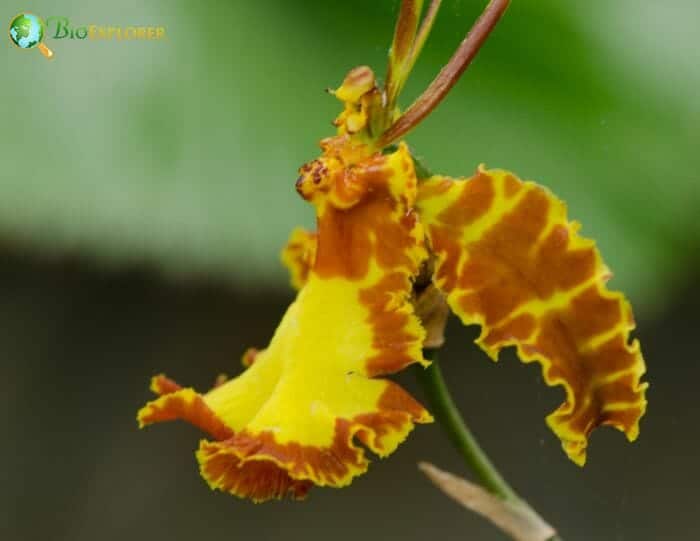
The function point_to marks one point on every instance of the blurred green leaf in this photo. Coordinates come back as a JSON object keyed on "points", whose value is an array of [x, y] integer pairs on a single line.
{"points": [[184, 153]]}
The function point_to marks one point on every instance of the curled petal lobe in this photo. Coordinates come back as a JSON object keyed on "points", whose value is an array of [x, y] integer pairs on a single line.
{"points": [[184, 404], [508, 259], [309, 404], [259, 481]]}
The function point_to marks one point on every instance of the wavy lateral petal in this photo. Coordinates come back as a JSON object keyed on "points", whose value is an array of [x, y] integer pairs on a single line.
{"points": [[298, 414], [509, 260], [299, 255]]}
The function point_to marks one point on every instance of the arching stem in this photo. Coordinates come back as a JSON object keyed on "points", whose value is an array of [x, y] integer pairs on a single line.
{"points": [[447, 414]]}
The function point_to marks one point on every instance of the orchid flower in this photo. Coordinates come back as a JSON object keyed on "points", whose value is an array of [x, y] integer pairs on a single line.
{"points": [[394, 247]]}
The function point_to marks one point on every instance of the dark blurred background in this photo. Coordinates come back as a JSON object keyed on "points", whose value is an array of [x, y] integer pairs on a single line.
{"points": [[146, 191]]}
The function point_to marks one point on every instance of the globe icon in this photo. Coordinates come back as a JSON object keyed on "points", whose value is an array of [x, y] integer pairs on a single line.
{"points": [[27, 31]]}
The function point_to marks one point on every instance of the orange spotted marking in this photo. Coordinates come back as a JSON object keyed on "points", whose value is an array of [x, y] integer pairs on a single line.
{"points": [[299, 255]]}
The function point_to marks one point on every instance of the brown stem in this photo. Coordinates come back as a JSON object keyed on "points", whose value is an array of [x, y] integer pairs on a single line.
{"points": [[449, 75]]}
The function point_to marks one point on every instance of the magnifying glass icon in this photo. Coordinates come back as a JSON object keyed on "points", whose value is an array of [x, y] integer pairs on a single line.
{"points": [[27, 31]]}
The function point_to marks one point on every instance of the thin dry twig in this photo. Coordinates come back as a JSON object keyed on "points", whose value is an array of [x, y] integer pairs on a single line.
{"points": [[515, 519]]}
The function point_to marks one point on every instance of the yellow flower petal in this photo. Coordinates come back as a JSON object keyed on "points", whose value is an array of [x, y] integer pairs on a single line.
{"points": [[510, 261], [295, 413]]}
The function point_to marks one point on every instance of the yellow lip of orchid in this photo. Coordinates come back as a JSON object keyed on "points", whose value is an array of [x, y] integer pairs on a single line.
{"points": [[503, 254], [293, 416]]}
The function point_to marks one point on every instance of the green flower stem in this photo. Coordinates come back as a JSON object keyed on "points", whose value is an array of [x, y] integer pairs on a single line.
{"points": [[446, 412]]}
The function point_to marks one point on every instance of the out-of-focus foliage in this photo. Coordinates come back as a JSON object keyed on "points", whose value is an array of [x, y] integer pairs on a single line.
{"points": [[184, 153]]}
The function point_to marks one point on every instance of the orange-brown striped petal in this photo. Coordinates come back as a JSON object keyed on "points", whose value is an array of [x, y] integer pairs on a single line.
{"points": [[370, 245], [509, 260]]}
